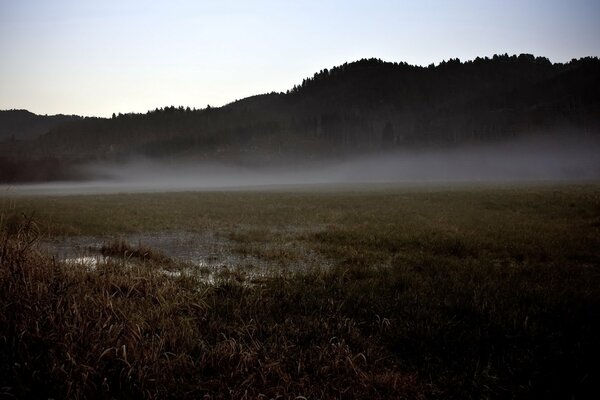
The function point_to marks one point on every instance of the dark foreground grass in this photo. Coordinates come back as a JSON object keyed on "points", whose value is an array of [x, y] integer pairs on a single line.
{"points": [[466, 294]]}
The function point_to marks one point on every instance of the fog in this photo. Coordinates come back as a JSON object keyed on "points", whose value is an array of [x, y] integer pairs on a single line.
{"points": [[531, 159]]}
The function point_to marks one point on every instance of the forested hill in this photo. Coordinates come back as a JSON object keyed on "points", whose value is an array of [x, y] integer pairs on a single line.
{"points": [[358, 107], [22, 124]]}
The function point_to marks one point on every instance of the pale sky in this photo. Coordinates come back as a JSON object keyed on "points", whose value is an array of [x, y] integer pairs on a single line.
{"points": [[99, 57]]}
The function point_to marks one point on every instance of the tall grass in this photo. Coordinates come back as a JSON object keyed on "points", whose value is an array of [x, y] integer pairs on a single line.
{"points": [[127, 330], [481, 297], [415, 329]]}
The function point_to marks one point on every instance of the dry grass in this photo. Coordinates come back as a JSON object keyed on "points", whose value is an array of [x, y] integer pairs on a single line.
{"points": [[127, 330], [120, 248], [456, 294]]}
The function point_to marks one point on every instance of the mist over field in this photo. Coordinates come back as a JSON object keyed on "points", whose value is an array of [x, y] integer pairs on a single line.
{"points": [[300, 200], [533, 158]]}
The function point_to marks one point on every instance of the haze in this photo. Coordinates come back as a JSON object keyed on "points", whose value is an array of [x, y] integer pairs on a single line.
{"points": [[530, 159]]}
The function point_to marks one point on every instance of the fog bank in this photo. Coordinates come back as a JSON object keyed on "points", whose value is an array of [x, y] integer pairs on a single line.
{"points": [[556, 158]]}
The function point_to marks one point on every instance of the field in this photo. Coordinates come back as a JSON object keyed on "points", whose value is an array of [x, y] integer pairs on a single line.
{"points": [[373, 291]]}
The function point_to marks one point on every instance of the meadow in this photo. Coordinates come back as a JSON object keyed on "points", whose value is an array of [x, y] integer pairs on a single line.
{"points": [[374, 291]]}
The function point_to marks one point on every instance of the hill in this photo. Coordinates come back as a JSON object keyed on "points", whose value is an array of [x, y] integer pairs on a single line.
{"points": [[25, 125], [356, 108]]}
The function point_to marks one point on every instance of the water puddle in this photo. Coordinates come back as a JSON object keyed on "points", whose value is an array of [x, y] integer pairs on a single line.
{"points": [[90, 262], [211, 256]]}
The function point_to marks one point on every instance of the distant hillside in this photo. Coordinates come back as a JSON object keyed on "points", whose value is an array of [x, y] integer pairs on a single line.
{"points": [[360, 107], [23, 125]]}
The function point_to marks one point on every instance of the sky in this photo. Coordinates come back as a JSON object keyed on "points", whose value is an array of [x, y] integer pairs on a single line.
{"points": [[94, 58]]}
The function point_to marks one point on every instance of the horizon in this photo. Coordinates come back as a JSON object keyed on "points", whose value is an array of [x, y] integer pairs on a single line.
{"points": [[100, 59], [164, 106]]}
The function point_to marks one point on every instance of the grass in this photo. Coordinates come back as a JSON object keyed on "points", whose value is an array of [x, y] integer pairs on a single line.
{"points": [[120, 248], [481, 292]]}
